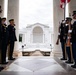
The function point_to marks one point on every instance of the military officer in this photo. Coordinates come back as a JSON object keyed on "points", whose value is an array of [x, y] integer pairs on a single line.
{"points": [[68, 30], [74, 39], [61, 36], [4, 38], [12, 39]]}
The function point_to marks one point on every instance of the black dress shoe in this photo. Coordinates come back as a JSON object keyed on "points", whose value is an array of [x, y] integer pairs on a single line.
{"points": [[63, 59], [1, 68], [69, 62], [11, 59], [73, 66], [4, 63]]}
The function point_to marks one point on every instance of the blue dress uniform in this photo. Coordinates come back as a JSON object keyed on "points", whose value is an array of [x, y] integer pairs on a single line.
{"points": [[68, 30], [12, 39], [62, 40], [4, 39], [74, 39]]}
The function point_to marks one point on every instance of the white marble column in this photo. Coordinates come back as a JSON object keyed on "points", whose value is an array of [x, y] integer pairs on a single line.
{"points": [[2, 5], [58, 16], [13, 13]]}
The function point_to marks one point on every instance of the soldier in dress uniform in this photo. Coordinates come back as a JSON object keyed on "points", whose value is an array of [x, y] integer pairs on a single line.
{"points": [[0, 33], [61, 37], [74, 39], [0, 38], [68, 30], [4, 38], [12, 39]]}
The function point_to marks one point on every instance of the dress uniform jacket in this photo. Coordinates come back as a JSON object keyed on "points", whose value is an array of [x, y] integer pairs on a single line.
{"points": [[62, 32], [67, 31], [5, 33], [12, 34]]}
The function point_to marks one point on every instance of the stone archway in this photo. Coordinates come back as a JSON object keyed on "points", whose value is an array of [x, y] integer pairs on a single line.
{"points": [[37, 35]]}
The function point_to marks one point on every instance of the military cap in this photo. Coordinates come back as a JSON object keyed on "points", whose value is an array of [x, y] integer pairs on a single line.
{"points": [[11, 20], [3, 18], [74, 12], [68, 19]]}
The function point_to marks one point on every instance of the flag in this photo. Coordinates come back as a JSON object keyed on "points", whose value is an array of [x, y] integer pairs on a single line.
{"points": [[61, 4], [68, 1], [64, 1]]}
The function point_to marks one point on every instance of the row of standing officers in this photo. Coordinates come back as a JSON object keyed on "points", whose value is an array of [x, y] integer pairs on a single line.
{"points": [[67, 37], [7, 40]]}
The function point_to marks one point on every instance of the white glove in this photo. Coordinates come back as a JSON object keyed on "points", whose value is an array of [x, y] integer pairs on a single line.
{"points": [[66, 24], [58, 33], [69, 31], [68, 37]]}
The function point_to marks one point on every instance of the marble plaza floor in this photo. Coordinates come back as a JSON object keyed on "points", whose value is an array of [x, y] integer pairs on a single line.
{"points": [[38, 65]]}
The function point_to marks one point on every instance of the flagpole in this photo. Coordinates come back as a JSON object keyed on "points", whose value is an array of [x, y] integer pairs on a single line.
{"points": [[64, 9]]}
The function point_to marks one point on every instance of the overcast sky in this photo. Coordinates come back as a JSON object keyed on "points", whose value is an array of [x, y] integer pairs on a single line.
{"points": [[35, 11]]}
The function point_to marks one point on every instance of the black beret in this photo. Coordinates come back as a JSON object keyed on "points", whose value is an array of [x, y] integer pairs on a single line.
{"points": [[68, 19]]}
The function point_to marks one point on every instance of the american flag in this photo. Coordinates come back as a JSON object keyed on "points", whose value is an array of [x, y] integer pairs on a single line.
{"points": [[62, 3]]}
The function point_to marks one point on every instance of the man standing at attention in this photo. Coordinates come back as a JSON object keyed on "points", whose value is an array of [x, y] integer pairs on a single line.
{"points": [[12, 39], [74, 39], [61, 37], [4, 40]]}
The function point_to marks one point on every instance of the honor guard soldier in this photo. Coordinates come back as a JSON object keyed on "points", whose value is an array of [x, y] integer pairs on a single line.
{"points": [[0, 38], [68, 31], [0, 27], [61, 36], [4, 38], [12, 39], [0, 33], [74, 39]]}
